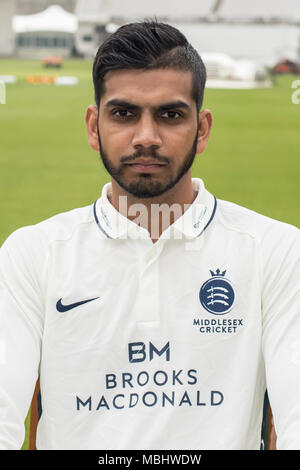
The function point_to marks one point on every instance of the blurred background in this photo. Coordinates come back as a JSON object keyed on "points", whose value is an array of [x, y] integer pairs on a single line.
{"points": [[251, 49]]}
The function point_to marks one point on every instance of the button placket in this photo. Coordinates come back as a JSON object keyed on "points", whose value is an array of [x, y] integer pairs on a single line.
{"points": [[146, 308]]}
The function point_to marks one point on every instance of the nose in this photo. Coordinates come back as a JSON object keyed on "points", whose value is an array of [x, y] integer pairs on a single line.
{"points": [[146, 133]]}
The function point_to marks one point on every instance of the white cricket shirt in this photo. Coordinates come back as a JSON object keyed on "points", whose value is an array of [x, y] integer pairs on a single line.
{"points": [[142, 345]]}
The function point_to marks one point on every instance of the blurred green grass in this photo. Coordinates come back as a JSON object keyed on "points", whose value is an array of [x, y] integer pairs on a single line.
{"points": [[47, 166]]}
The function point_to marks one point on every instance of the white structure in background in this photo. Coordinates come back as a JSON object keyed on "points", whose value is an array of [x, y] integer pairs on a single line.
{"points": [[2, 92], [99, 18], [29, 7], [49, 32], [7, 38], [287, 10], [260, 30], [8, 78], [225, 72], [66, 81]]}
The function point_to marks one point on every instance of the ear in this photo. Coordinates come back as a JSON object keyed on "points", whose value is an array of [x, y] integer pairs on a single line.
{"points": [[205, 125], [91, 121]]}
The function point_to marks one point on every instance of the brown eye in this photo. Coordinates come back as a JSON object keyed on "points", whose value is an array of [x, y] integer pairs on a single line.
{"points": [[171, 115], [123, 113]]}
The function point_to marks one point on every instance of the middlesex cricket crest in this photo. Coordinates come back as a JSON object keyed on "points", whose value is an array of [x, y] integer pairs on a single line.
{"points": [[217, 294]]}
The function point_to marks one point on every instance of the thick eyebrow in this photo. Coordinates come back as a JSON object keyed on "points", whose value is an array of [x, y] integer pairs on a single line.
{"points": [[174, 104], [162, 107], [121, 103]]}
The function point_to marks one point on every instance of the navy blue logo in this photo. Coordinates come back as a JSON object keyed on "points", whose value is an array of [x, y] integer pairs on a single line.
{"points": [[217, 294], [65, 308]]}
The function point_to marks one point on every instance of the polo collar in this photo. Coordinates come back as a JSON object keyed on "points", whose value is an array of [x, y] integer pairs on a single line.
{"points": [[191, 224]]}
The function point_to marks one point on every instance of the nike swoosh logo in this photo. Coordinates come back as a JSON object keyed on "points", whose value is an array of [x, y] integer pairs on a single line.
{"points": [[65, 308]]}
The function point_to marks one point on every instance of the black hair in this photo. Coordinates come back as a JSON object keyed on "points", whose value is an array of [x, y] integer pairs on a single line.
{"points": [[148, 45]]}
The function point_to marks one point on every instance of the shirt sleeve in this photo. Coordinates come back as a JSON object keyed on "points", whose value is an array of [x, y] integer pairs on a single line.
{"points": [[21, 313], [281, 331]]}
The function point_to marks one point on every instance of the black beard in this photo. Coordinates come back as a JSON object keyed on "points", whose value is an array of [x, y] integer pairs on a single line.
{"points": [[145, 187]]}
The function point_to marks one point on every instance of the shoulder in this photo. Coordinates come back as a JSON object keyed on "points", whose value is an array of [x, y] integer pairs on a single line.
{"points": [[258, 226], [275, 244], [58, 227]]}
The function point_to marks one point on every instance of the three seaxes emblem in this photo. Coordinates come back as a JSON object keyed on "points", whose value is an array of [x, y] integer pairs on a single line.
{"points": [[217, 294]]}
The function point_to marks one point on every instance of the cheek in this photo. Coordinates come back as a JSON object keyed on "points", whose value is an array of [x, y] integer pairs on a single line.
{"points": [[179, 143], [114, 138], [115, 147]]}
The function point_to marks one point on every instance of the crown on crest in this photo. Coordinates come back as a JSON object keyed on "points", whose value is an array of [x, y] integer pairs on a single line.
{"points": [[218, 272]]}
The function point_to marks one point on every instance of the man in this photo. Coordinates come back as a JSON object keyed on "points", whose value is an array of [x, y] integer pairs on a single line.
{"points": [[157, 317]]}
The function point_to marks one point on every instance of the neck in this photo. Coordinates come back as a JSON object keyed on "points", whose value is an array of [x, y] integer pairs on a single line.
{"points": [[158, 213]]}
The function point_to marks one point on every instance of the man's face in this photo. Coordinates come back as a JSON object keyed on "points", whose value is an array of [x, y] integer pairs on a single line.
{"points": [[147, 127]]}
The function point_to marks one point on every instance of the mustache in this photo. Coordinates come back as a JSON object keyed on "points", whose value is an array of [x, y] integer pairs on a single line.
{"points": [[144, 153]]}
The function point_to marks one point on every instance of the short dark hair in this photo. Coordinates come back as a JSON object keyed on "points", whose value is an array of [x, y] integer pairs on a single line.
{"points": [[148, 45]]}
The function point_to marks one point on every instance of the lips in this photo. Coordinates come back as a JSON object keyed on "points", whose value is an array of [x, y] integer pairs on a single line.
{"points": [[146, 162], [146, 166]]}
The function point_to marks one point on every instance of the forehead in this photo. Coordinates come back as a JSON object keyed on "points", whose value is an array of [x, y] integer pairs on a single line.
{"points": [[148, 87]]}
